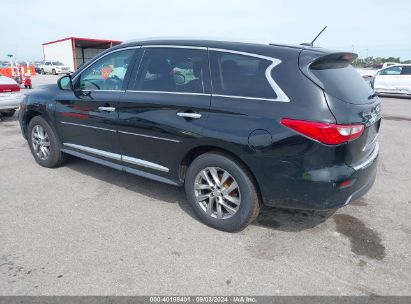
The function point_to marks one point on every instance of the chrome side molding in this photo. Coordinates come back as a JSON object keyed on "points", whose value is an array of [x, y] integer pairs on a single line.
{"points": [[119, 157]]}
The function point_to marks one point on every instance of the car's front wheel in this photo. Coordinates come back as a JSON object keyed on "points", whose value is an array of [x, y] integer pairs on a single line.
{"points": [[43, 72], [222, 192], [44, 144]]}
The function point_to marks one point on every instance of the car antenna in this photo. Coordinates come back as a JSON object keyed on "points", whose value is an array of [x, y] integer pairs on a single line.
{"points": [[312, 42]]}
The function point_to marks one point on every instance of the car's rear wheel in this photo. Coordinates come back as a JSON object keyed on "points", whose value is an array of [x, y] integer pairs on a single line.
{"points": [[53, 71], [43, 72], [222, 192], [44, 144]]}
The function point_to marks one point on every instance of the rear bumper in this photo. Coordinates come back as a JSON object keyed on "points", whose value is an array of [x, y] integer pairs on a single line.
{"points": [[321, 189], [11, 102]]}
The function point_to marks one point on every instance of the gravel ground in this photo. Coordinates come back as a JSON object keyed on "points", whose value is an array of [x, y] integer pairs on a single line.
{"points": [[84, 229]]}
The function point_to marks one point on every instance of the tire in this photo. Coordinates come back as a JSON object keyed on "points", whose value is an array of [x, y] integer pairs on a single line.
{"points": [[55, 157], [43, 72], [53, 71], [8, 113], [248, 207]]}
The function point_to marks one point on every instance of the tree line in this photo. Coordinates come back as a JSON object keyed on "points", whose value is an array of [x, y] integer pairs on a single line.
{"points": [[377, 61]]}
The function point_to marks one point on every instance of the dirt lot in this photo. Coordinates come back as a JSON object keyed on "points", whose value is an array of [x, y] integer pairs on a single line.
{"points": [[85, 229]]}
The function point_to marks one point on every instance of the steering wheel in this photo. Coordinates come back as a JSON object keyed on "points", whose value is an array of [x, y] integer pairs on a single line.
{"points": [[114, 82], [92, 82]]}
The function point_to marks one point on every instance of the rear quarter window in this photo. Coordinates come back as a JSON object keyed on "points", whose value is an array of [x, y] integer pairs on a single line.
{"points": [[240, 75]]}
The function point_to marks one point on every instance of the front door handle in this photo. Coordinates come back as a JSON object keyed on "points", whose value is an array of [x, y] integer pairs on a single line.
{"points": [[107, 109], [189, 115]]}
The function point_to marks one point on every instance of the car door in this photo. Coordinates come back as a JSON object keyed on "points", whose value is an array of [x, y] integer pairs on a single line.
{"points": [[162, 112], [47, 67], [86, 116], [388, 79]]}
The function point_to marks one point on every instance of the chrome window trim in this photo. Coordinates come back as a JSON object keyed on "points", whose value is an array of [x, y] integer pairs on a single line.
{"points": [[94, 151], [370, 159], [168, 92], [245, 97], [86, 126], [175, 46], [281, 96], [119, 157], [108, 53], [150, 136]]}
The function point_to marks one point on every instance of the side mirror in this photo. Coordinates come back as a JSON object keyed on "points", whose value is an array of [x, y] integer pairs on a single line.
{"points": [[65, 83]]}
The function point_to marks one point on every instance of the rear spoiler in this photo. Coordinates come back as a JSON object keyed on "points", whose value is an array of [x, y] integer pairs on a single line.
{"points": [[312, 59]]}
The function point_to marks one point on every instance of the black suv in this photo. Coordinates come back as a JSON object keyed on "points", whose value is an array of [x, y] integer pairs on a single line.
{"points": [[237, 124]]}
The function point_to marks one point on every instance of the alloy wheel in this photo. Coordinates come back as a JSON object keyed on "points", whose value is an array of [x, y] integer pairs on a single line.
{"points": [[217, 192], [41, 142]]}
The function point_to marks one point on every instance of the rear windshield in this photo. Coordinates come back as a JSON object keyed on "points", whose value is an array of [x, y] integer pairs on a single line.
{"points": [[340, 79]]}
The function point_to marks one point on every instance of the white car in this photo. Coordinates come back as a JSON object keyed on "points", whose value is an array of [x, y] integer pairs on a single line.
{"points": [[388, 64], [10, 96], [395, 79], [54, 67]]}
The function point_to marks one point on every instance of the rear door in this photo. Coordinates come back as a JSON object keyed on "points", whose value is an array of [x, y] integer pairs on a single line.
{"points": [[87, 117], [162, 112], [405, 79]]}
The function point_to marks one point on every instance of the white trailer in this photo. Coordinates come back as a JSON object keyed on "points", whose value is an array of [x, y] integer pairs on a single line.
{"points": [[75, 51]]}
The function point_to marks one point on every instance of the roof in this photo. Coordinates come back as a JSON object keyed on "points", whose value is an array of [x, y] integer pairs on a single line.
{"points": [[85, 39], [241, 46]]}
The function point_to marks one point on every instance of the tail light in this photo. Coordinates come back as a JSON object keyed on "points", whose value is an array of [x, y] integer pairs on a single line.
{"points": [[326, 133], [4, 88]]}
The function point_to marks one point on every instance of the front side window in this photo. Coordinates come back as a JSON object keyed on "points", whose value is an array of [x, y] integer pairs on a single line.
{"points": [[107, 73], [395, 70], [240, 75], [172, 70]]}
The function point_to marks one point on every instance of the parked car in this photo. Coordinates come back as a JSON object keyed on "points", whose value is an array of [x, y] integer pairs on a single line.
{"points": [[395, 79], [10, 96], [388, 64], [367, 75], [54, 67], [37, 66], [242, 125]]}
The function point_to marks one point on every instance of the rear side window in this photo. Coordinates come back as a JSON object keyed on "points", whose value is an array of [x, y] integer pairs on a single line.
{"points": [[395, 70], [240, 75], [172, 70], [340, 79], [406, 70]]}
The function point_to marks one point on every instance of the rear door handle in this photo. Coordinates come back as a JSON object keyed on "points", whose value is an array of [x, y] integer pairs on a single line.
{"points": [[189, 115], [107, 109]]}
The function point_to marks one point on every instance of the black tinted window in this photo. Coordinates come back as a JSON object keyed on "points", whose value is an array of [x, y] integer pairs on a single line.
{"points": [[172, 70], [240, 75], [107, 73], [340, 79], [406, 70]]}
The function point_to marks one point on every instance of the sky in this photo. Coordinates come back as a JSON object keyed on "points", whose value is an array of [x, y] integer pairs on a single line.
{"points": [[377, 27]]}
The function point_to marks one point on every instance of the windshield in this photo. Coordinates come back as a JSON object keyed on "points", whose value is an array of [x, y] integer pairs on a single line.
{"points": [[340, 79], [57, 63]]}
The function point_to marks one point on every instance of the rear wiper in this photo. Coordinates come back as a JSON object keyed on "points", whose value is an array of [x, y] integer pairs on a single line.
{"points": [[372, 96]]}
